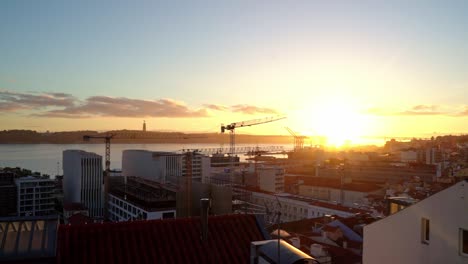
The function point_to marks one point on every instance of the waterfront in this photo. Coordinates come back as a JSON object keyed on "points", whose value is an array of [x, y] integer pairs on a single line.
{"points": [[47, 158]]}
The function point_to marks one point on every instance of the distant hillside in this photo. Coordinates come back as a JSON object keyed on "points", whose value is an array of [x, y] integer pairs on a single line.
{"points": [[130, 136]]}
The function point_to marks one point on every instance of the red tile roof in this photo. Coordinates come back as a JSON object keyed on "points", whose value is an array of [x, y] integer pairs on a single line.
{"points": [[160, 241]]}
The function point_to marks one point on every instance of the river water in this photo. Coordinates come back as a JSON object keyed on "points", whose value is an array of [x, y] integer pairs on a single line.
{"points": [[47, 158]]}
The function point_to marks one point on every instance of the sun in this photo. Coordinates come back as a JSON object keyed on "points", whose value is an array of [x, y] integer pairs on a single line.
{"points": [[338, 120]]}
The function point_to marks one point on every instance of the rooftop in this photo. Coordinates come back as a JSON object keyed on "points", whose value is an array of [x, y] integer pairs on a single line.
{"points": [[163, 241]]}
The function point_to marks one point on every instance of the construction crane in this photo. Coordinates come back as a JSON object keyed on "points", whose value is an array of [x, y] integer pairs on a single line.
{"points": [[298, 139], [105, 179], [232, 128], [107, 139]]}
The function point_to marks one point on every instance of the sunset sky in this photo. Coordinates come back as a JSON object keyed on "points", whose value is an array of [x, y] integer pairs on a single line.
{"points": [[341, 69]]}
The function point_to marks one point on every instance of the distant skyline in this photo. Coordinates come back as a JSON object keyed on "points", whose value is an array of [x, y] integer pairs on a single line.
{"points": [[341, 69]]}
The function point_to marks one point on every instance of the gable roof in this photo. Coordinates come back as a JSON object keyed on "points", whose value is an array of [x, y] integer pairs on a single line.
{"points": [[160, 241]]}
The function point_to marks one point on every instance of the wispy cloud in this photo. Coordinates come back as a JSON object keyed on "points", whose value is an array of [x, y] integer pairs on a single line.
{"points": [[242, 108], [62, 105], [14, 101], [251, 110], [421, 110], [463, 112], [126, 107], [216, 107]]}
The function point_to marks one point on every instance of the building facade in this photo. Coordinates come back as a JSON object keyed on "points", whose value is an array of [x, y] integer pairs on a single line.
{"points": [[121, 210], [35, 196], [434, 230], [293, 207], [83, 180], [164, 167], [271, 179]]}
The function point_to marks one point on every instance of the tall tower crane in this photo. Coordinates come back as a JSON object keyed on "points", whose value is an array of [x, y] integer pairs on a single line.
{"points": [[107, 139], [298, 139], [232, 128]]}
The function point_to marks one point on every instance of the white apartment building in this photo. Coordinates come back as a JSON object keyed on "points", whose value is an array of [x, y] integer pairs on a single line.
{"points": [[83, 180], [121, 210], [35, 196], [348, 196], [163, 166], [434, 230], [293, 207]]}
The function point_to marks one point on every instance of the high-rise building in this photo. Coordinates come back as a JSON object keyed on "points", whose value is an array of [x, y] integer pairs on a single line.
{"points": [[163, 167], [35, 196], [83, 180]]}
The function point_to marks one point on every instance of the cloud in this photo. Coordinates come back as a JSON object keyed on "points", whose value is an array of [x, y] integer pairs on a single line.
{"points": [[463, 112], [418, 110], [14, 101], [242, 108], [125, 107], [251, 110], [63, 105], [216, 107]]}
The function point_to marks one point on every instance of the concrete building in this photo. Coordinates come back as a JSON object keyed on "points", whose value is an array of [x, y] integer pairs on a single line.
{"points": [[121, 210], [294, 207], [138, 199], [271, 179], [83, 180], [163, 167], [350, 194], [435, 230], [35, 196], [380, 172]]}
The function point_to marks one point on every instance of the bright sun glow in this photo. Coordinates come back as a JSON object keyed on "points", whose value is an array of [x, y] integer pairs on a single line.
{"points": [[338, 120]]}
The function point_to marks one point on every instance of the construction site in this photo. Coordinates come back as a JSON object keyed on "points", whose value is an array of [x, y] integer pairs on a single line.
{"points": [[228, 182]]}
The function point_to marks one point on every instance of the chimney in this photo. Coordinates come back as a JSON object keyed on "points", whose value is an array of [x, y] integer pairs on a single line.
{"points": [[205, 206]]}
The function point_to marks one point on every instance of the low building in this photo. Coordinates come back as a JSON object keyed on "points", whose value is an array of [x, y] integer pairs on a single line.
{"points": [[135, 199], [348, 194], [294, 207], [35, 196], [434, 230]]}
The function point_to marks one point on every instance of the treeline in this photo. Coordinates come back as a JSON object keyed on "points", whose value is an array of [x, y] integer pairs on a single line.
{"points": [[130, 136]]}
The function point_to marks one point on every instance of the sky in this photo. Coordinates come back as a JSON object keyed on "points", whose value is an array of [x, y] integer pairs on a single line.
{"points": [[340, 69]]}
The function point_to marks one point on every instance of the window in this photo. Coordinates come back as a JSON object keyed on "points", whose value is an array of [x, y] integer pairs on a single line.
{"points": [[425, 230], [463, 242]]}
